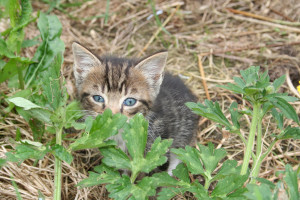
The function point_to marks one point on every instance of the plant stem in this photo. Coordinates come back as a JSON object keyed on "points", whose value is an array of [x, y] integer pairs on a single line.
{"points": [[21, 80], [256, 164], [255, 171], [249, 147], [57, 169]]}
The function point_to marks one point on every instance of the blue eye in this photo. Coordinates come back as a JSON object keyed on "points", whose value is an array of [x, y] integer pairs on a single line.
{"points": [[129, 102], [98, 98]]}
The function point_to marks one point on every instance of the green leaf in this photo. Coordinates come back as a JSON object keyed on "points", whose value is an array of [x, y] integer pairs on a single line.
{"points": [[235, 115], [51, 84], [50, 29], [10, 69], [104, 175], [98, 130], [258, 192], [278, 82], [73, 113], [278, 117], [290, 132], [229, 184], [182, 173], [211, 157], [37, 128], [232, 87], [23, 103], [191, 157], [114, 157], [2, 162], [228, 168], [27, 149], [61, 153], [211, 111], [135, 136], [170, 192], [199, 191], [18, 22], [4, 50], [292, 183], [286, 109], [155, 157]]}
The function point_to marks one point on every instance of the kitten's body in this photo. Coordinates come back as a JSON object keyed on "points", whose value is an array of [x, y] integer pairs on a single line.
{"points": [[159, 98]]}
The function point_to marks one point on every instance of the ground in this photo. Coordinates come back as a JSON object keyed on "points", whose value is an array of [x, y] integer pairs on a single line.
{"points": [[213, 36]]}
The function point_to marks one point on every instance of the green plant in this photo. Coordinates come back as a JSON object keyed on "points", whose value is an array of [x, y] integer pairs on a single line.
{"points": [[257, 89], [12, 40], [137, 162]]}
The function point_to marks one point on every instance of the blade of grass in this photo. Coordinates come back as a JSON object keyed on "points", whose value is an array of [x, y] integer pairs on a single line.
{"points": [[16, 188], [106, 12]]}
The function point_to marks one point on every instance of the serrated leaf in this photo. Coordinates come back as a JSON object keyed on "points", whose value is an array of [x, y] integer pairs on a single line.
{"points": [[232, 87], [50, 29], [278, 117], [120, 189], [170, 192], [11, 68], [114, 157], [191, 157], [100, 129], [104, 175], [229, 184], [61, 153], [286, 109], [290, 132], [51, 84], [278, 82], [23, 103], [38, 128], [135, 136], [155, 157], [73, 113], [240, 83], [261, 192], [4, 50], [27, 150], [182, 173], [199, 191], [292, 183], [211, 111], [235, 115], [228, 168], [210, 157]]}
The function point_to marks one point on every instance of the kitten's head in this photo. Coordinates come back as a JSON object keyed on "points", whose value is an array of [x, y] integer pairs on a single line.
{"points": [[122, 85]]}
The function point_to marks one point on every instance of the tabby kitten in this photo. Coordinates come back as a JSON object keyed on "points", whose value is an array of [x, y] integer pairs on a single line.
{"points": [[130, 86]]}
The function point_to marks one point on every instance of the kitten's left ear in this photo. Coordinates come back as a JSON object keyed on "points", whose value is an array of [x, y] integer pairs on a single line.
{"points": [[152, 68]]}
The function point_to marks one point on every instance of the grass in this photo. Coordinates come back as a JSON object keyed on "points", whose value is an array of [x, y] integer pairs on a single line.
{"points": [[194, 27]]}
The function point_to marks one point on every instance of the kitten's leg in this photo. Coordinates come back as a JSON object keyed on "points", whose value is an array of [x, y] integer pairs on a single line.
{"points": [[173, 162]]}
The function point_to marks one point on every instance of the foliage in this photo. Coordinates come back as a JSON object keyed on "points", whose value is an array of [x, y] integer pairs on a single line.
{"points": [[257, 89], [122, 186], [43, 103]]}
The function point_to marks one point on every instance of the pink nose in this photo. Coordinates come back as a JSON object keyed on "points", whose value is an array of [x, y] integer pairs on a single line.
{"points": [[115, 110]]}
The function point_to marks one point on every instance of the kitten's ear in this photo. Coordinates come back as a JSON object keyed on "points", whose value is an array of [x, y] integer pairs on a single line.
{"points": [[84, 60], [152, 68]]}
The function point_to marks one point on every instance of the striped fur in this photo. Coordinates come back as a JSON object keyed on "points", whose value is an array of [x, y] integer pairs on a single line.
{"points": [[160, 98]]}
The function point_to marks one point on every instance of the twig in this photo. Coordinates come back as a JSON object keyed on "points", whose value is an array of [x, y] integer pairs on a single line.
{"points": [[248, 48], [248, 14], [282, 15], [288, 28], [203, 75], [159, 30]]}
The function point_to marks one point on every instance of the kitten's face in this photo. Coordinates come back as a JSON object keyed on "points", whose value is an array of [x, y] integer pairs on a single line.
{"points": [[122, 85]]}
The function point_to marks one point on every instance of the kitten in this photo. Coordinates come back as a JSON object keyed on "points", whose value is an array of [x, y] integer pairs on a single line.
{"points": [[130, 86]]}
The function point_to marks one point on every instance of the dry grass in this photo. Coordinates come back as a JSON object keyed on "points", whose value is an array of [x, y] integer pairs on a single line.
{"points": [[224, 40]]}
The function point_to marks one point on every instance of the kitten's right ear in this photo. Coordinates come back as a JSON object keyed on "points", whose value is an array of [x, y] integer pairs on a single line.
{"points": [[84, 60]]}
